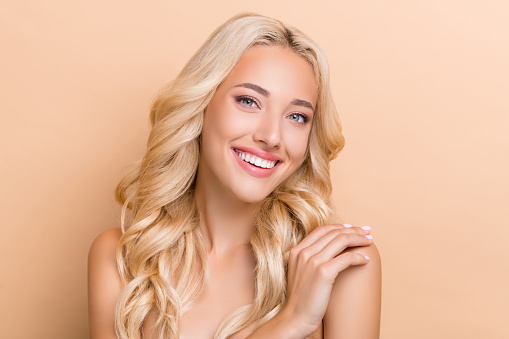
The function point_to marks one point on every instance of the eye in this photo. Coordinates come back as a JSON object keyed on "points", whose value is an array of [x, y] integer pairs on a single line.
{"points": [[247, 101], [298, 117]]}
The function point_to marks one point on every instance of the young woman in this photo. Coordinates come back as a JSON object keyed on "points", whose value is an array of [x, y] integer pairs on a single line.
{"points": [[227, 223]]}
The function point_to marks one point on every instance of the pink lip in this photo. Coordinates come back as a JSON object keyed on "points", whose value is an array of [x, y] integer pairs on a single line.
{"points": [[252, 170], [259, 153]]}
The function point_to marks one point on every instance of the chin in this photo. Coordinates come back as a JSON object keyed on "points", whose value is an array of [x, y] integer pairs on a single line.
{"points": [[252, 199], [251, 196]]}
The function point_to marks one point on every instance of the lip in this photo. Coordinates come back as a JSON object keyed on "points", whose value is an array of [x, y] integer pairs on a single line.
{"points": [[259, 153], [252, 170]]}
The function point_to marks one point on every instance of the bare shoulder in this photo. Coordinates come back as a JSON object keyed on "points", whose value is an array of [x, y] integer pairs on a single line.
{"points": [[355, 302], [104, 284], [106, 242], [367, 277], [372, 252]]}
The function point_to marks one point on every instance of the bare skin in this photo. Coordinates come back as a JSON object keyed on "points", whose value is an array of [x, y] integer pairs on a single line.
{"points": [[353, 309], [333, 289]]}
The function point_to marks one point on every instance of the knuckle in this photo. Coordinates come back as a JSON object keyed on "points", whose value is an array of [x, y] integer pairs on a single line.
{"points": [[323, 229], [328, 227], [338, 227], [336, 232], [304, 255], [314, 262], [342, 238], [323, 271], [318, 229], [294, 252]]}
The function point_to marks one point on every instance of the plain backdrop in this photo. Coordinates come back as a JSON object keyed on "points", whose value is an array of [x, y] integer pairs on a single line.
{"points": [[422, 90]]}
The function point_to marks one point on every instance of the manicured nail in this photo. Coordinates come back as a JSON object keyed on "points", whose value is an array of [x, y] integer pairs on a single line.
{"points": [[347, 225], [369, 236], [367, 258], [366, 228]]}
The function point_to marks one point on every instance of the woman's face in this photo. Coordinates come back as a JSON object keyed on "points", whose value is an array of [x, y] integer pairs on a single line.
{"points": [[257, 125]]}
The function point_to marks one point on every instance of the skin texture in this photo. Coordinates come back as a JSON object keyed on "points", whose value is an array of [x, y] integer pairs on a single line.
{"points": [[329, 276], [241, 117]]}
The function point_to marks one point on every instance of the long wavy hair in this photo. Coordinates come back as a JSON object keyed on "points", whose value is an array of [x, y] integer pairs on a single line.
{"points": [[161, 254]]}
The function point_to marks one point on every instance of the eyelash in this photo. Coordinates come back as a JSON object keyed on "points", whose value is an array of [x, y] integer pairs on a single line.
{"points": [[241, 98], [245, 97], [303, 116]]}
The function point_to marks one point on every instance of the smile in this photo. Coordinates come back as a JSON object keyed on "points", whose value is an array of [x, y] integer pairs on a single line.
{"points": [[254, 160]]}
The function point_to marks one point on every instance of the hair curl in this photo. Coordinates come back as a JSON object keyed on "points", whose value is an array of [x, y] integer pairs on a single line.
{"points": [[161, 244]]}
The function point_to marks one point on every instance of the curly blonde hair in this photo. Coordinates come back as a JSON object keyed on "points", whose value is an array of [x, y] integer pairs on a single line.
{"points": [[161, 246]]}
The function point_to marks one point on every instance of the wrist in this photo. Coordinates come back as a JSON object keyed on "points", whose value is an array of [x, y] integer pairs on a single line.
{"points": [[295, 327], [283, 325]]}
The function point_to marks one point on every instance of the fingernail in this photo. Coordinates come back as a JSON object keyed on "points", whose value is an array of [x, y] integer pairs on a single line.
{"points": [[366, 228], [369, 236], [367, 258], [347, 225]]}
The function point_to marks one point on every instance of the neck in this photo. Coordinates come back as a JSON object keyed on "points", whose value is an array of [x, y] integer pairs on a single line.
{"points": [[226, 223]]}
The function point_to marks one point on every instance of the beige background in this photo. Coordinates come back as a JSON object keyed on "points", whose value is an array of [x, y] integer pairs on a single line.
{"points": [[422, 88]]}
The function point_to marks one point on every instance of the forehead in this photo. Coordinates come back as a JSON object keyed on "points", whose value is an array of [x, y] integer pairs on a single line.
{"points": [[277, 69]]}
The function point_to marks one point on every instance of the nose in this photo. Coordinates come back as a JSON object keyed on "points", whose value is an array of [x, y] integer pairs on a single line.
{"points": [[268, 131]]}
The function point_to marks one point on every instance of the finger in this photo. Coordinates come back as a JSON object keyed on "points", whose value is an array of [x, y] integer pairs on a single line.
{"points": [[318, 233], [332, 268], [361, 229], [304, 254], [339, 244], [356, 230], [325, 235]]}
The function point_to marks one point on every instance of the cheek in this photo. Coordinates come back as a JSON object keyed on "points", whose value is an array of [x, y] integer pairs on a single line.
{"points": [[296, 145], [222, 121]]}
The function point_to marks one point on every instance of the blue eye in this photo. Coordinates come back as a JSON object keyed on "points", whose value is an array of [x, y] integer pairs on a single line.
{"points": [[298, 117], [247, 101]]}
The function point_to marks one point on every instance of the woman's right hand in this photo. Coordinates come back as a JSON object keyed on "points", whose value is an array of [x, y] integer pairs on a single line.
{"points": [[313, 267]]}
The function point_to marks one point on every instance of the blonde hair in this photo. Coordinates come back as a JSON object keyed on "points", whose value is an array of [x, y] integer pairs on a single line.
{"points": [[161, 248]]}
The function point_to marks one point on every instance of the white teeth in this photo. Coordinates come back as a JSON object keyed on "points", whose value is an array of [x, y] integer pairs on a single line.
{"points": [[254, 160]]}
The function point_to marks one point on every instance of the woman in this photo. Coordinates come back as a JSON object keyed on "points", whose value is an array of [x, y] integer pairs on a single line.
{"points": [[227, 226]]}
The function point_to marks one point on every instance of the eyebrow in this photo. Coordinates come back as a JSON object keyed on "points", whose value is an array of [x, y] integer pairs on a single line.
{"points": [[299, 102], [264, 92], [255, 88]]}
